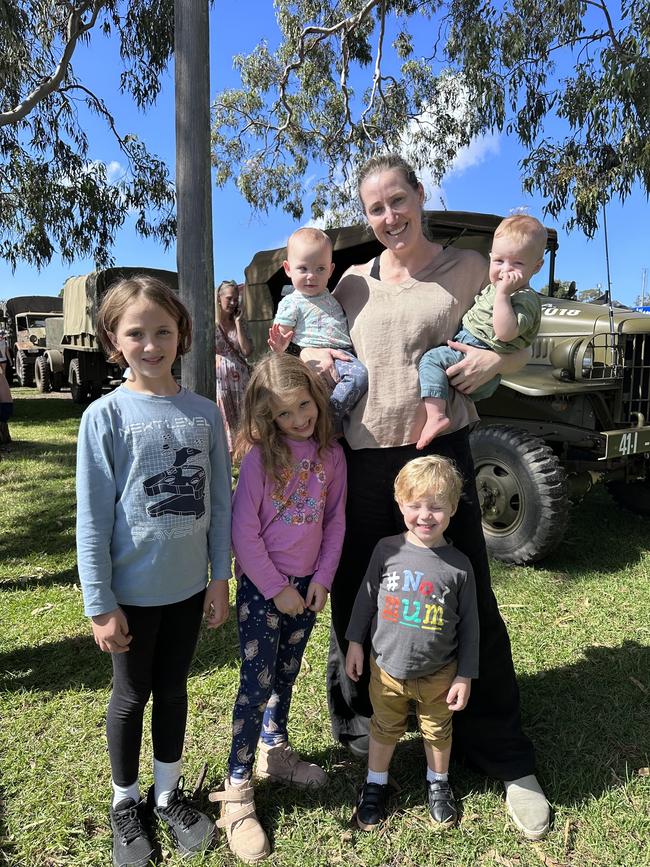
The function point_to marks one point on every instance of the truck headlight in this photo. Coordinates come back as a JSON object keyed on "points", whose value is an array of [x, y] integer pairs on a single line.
{"points": [[587, 361], [573, 359]]}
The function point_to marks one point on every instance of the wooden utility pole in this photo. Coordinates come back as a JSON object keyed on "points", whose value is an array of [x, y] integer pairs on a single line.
{"points": [[194, 189]]}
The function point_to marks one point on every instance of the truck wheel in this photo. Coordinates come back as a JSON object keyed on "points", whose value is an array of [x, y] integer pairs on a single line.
{"points": [[24, 371], [633, 496], [523, 493], [78, 390], [42, 375]]}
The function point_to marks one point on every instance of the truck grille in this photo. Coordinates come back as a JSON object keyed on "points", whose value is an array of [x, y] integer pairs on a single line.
{"points": [[636, 378]]}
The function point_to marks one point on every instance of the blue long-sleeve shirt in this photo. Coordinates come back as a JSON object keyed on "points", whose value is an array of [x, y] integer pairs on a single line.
{"points": [[153, 499]]}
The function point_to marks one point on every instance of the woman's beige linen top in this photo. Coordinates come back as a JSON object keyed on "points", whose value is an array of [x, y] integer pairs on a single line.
{"points": [[391, 327]]}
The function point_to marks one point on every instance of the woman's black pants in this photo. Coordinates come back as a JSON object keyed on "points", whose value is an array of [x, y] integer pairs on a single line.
{"points": [[488, 732]]}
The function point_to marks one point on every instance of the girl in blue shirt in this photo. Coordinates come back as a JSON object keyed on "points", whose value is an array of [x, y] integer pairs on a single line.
{"points": [[153, 509]]}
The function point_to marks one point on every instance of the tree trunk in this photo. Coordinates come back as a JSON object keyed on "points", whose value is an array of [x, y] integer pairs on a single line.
{"points": [[194, 190]]}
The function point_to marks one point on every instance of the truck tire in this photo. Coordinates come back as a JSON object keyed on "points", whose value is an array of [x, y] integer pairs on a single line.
{"points": [[82, 390], [633, 496], [24, 371], [43, 375], [78, 389], [523, 493]]}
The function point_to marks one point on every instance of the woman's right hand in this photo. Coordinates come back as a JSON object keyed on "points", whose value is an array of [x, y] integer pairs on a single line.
{"points": [[111, 631], [289, 601], [322, 361], [354, 660]]}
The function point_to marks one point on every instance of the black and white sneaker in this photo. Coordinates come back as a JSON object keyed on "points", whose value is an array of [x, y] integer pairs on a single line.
{"points": [[371, 806], [191, 830], [131, 844]]}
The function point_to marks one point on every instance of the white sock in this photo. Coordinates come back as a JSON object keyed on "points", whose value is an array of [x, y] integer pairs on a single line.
{"points": [[237, 781], [165, 779], [380, 778], [433, 777], [120, 793]]}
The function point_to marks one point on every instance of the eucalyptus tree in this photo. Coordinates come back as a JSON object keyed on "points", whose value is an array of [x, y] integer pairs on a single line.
{"points": [[350, 77], [55, 199]]}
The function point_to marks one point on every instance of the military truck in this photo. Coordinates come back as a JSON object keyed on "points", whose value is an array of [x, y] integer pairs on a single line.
{"points": [[73, 355], [26, 319], [577, 414]]}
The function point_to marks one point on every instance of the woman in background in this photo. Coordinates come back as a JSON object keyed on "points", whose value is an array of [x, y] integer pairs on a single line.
{"points": [[232, 347]]}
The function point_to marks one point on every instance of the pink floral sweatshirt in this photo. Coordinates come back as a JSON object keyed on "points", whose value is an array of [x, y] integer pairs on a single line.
{"points": [[292, 527]]}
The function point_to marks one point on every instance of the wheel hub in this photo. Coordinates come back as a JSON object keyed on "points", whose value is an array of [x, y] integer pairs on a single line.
{"points": [[501, 498]]}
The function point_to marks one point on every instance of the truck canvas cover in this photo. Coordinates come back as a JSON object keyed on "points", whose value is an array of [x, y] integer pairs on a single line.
{"points": [[33, 304], [83, 295]]}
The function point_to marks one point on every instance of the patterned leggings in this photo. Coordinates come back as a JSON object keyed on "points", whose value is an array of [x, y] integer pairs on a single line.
{"points": [[271, 645]]}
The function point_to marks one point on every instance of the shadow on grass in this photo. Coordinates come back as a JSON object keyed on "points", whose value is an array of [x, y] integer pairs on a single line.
{"points": [[77, 663], [35, 409], [48, 579], [601, 537], [588, 722]]}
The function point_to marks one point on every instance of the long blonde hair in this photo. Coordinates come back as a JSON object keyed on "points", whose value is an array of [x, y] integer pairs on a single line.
{"points": [[225, 284], [274, 378]]}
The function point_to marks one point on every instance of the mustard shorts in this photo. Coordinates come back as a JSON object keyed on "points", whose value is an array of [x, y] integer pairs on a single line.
{"points": [[390, 703]]}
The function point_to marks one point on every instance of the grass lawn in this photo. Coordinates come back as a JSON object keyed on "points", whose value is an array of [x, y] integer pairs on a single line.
{"points": [[579, 626]]}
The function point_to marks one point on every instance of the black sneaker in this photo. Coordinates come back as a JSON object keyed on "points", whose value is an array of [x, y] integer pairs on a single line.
{"points": [[442, 805], [191, 830], [131, 844], [371, 806]]}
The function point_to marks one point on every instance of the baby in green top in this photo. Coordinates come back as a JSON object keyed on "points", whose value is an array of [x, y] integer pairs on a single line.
{"points": [[505, 317]]}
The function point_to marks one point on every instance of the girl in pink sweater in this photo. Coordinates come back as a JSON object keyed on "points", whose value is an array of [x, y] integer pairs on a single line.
{"points": [[288, 527]]}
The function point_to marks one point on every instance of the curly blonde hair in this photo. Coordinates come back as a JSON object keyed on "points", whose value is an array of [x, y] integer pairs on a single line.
{"points": [[430, 474], [275, 378]]}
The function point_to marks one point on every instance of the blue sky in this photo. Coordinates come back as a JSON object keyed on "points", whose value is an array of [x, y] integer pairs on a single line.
{"points": [[484, 178]]}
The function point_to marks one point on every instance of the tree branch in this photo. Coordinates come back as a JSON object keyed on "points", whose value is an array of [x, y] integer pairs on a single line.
{"points": [[320, 33], [376, 77], [610, 26], [75, 28]]}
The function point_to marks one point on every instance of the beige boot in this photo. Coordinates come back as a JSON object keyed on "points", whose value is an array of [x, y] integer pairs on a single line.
{"points": [[281, 764], [246, 836]]}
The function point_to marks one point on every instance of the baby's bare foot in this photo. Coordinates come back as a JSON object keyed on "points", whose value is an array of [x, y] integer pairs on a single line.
{"points": [[432, 428]]}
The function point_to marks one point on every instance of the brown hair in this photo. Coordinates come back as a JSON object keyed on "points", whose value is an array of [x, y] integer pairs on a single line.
{"points": [[430, 473], [385, 163], [122, 294], [274, 378], [524, 229]]}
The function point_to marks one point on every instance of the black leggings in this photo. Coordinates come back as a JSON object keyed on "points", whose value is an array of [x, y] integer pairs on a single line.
{"points": [[157, 663], [488, 732]]}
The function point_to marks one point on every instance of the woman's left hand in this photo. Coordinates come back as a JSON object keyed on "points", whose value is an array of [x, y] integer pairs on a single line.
{"points": [[478, 366]]}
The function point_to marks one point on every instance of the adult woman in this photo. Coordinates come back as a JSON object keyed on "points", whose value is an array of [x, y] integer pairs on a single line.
{"points": [[407, 300], [232, 346]]}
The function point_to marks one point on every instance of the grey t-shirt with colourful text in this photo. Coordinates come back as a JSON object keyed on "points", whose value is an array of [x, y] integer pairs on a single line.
{"points": [[420, 607]]}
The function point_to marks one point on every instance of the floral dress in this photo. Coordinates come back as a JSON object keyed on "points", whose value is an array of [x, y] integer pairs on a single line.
{"points": [[232, 378]]}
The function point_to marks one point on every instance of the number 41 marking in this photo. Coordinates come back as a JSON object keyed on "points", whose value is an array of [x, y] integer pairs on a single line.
{"points": [[628, 443]]}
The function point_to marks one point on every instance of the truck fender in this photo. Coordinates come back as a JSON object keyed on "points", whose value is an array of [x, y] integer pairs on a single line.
{"points": [[55, 360]]}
